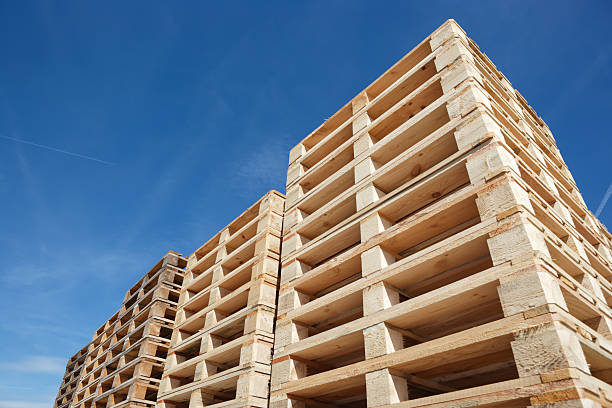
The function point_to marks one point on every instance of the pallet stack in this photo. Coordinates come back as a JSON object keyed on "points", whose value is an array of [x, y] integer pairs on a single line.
{"points": [[124, 362], [72, 375], [437, 253], [222, 341]]}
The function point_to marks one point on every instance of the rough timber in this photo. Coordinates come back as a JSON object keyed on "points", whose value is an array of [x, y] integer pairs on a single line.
{"points": [[71, 377], [122, 365], [221, 347], [436, 252]]}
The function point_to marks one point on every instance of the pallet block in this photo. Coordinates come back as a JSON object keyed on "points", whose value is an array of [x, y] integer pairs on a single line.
{"points": [[437, 252], [222, 341], [124, 362]]}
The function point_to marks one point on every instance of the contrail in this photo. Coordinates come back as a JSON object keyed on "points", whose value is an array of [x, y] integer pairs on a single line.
{"points": [[53, 149], [604, 201]]}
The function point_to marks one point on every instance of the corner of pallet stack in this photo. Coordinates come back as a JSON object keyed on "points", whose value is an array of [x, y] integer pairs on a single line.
{"points": [[224, 330], [123, 363], [437, 252]]}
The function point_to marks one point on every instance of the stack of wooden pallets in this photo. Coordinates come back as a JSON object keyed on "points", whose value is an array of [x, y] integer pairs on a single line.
{"points": [[124, 362], [222, 340], [71, 377], [436, 251]]}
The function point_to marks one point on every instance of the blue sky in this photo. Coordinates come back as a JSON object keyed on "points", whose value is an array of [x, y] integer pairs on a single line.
{"points": [[187, 113]]}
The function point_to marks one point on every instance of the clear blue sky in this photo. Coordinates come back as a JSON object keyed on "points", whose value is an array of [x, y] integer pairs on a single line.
{"points": [[195, 107]]}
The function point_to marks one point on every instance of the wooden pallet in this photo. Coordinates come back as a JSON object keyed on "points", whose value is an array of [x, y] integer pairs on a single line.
{"points": [[222, 341], [437, 252], [124, 362], [72, 375]]}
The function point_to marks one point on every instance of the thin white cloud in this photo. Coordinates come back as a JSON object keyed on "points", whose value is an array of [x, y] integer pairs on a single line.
{"points": [[262, 169], [61, 265], [54, 149], [25, 275], [24, 404], [581, 82], [36, 364], [604, 200]]}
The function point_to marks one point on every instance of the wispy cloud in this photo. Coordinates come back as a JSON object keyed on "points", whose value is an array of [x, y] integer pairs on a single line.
{"points": [[24, 404], [36, 364], [70, 336], [604, 200], [263, 168], [581, 81], [29, 181], [66, 266], [3, 183], [26, 275], [54, 149]]}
